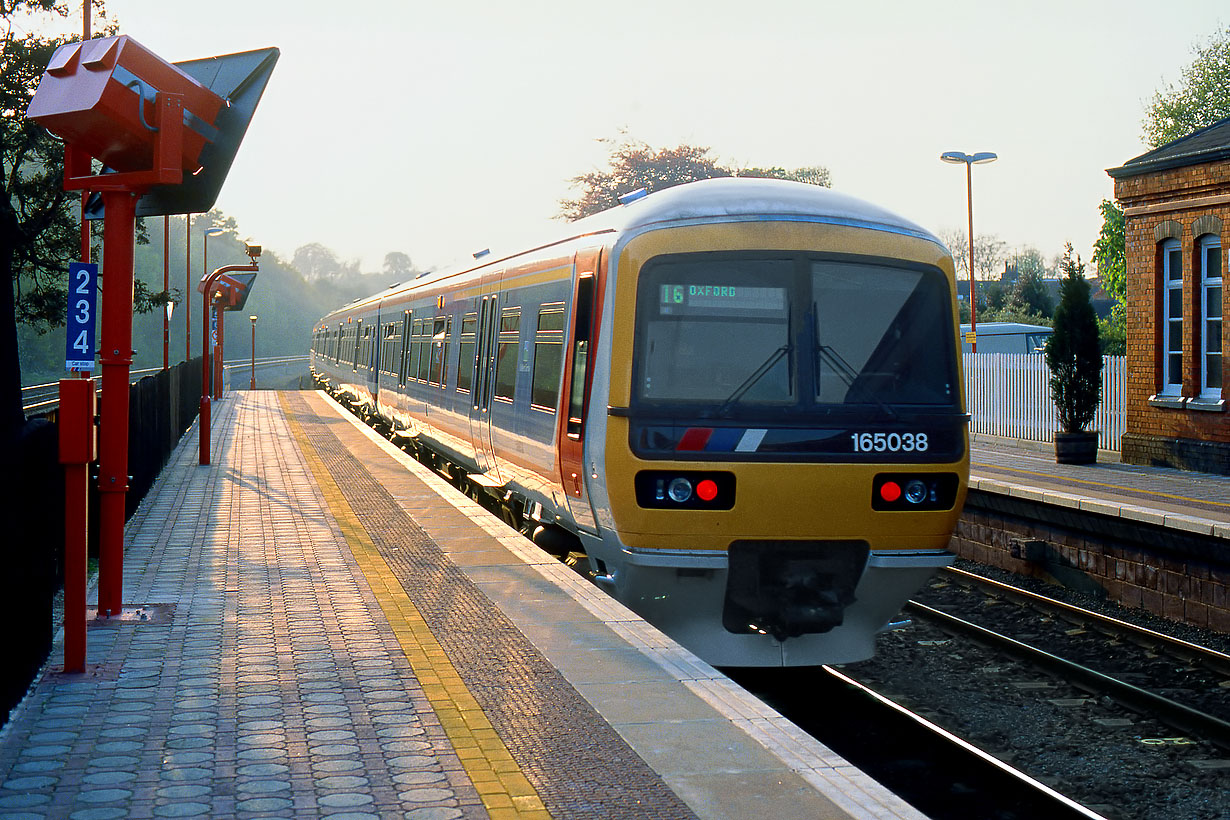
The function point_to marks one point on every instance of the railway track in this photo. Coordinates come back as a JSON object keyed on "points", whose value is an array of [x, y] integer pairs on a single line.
{"points": [[937, 772], [1105, 708]]}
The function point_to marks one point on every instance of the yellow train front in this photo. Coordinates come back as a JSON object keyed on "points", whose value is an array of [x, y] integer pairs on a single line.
{"points": [[776, 448]]}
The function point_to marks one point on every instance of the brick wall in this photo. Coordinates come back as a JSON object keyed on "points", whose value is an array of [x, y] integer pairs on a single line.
{"points": [[1175, 585], [1173, 203]]}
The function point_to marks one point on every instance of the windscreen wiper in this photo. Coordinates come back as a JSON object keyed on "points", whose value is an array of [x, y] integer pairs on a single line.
{"points": [[751, 380], [849, 376]]}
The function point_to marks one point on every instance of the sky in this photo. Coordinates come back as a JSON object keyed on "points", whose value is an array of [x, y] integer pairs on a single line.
{"points": [[440, 128]]}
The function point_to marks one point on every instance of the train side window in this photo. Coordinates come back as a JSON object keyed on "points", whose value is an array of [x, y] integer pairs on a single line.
{"points": [[388, 349], [354, 358], [369, 348], [416, 351], [465, 355], [548, 357], [403, 355], [582, 321], [439, 347], [422, 352], [507, 352]]}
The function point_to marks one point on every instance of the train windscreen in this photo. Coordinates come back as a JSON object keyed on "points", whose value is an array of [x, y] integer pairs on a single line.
{"points": [[744, 334]]}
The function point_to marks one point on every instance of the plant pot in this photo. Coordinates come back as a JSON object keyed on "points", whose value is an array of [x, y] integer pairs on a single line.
{"points": [[1076, 448]]}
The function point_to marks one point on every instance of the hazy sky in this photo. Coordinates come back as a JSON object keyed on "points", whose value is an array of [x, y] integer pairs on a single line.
{"points": [[441, 128]]}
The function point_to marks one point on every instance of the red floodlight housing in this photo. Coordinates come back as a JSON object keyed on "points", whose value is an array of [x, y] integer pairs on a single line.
{"points": [[230, 290], [115, 101]]}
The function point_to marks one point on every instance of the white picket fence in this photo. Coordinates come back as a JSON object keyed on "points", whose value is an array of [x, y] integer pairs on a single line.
{"points": [[1010, 395]]}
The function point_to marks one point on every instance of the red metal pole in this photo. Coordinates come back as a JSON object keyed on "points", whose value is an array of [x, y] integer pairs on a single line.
{"points": [[207, 292], [219, 375], [76, 422], [207, 370], [119, 240], [973, 300]]}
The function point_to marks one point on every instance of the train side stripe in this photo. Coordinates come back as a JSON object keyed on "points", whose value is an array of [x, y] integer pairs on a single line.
{"points": [[750, 442]]}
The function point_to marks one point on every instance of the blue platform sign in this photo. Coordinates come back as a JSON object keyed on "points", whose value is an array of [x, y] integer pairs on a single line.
{"points": [[82, 304]]}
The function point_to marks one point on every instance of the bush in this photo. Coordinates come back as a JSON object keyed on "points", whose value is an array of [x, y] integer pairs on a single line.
{"points": [[1074, 353]]}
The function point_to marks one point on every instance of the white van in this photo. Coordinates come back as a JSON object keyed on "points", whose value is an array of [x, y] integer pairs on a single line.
{"points": [[1008, 337]]}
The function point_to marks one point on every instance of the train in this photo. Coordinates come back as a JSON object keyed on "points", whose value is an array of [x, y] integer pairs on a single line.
{"points": [[740, 400]]}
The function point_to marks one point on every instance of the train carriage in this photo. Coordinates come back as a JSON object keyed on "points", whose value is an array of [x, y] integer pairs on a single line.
{"points": [[741, 399]]}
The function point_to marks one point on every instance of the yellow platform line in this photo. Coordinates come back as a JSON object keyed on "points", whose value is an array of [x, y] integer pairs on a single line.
{"points": [[504, 790]]}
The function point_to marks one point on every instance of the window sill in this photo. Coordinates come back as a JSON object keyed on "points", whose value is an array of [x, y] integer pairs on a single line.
{"points": [[1207, 405], [1168, 402]]}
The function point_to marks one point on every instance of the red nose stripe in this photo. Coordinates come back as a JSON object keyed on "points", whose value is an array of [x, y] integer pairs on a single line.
{"points": [[694, 439]]}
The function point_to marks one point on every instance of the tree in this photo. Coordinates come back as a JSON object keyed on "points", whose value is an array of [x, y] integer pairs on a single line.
{"points": [[813, 175], [1073, 353], [1109, 252], [315, 261], [633, 164], [990, 252], [1029, 293], [1110, 255], [399, 266], [1201, 98]]}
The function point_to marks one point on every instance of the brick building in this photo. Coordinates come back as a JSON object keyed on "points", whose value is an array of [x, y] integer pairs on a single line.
{"points": [[1176, 202]]}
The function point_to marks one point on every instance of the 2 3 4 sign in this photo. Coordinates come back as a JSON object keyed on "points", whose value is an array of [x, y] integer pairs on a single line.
{"points": [[82, 304]]}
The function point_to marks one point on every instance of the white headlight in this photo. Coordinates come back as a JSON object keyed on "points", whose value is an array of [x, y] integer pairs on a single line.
{"points": [[680, 490], [915, 492]]}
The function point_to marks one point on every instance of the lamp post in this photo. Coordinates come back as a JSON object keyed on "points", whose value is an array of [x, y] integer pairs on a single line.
{"points": [[970, 160], [252, 386], [231, 290], [166, 336], [208, 232]]}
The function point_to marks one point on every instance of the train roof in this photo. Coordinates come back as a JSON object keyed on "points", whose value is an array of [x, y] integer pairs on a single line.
{"points": [[739, 198], [724, 199]]}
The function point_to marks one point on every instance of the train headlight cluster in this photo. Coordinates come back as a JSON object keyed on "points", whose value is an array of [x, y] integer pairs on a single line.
{"points": [[688, 490], [903, 491]]}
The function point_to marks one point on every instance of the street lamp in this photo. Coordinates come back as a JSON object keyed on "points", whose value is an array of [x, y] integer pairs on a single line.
{"points": [[252, 386], [970, 160]]}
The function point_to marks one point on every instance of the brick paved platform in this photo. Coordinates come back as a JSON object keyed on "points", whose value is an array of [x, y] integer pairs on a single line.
{"points": [[317, 625]]}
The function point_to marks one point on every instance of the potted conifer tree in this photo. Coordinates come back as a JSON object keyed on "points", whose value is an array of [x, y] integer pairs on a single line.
{"points": [[1074, 357]]}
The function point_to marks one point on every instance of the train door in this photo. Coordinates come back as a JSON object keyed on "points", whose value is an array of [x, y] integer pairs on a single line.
{"points": [[570, 428], [483, 383]]}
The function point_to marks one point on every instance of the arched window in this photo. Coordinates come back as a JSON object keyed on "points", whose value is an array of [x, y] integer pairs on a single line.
{"points": [[1210, 317], [1172, 318]]}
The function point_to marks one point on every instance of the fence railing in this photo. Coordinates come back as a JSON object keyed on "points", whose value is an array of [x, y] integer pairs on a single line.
{"points": [[1010, 395]]}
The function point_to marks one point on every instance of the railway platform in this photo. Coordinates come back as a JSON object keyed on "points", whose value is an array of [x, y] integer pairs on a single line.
{"points": [[318, 626], [1176, 499]]}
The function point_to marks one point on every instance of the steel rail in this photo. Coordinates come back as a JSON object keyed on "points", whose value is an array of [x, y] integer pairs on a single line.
{"points": [[1141, 700], [1062, 806], [1186, 650]]}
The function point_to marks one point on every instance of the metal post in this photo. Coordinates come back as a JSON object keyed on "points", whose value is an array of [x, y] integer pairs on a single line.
{"points": [[188, 288], [76, 451], [119, 240], [252, 385], [166, 288], [219, 375], [207, 370], [973, 300]]}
